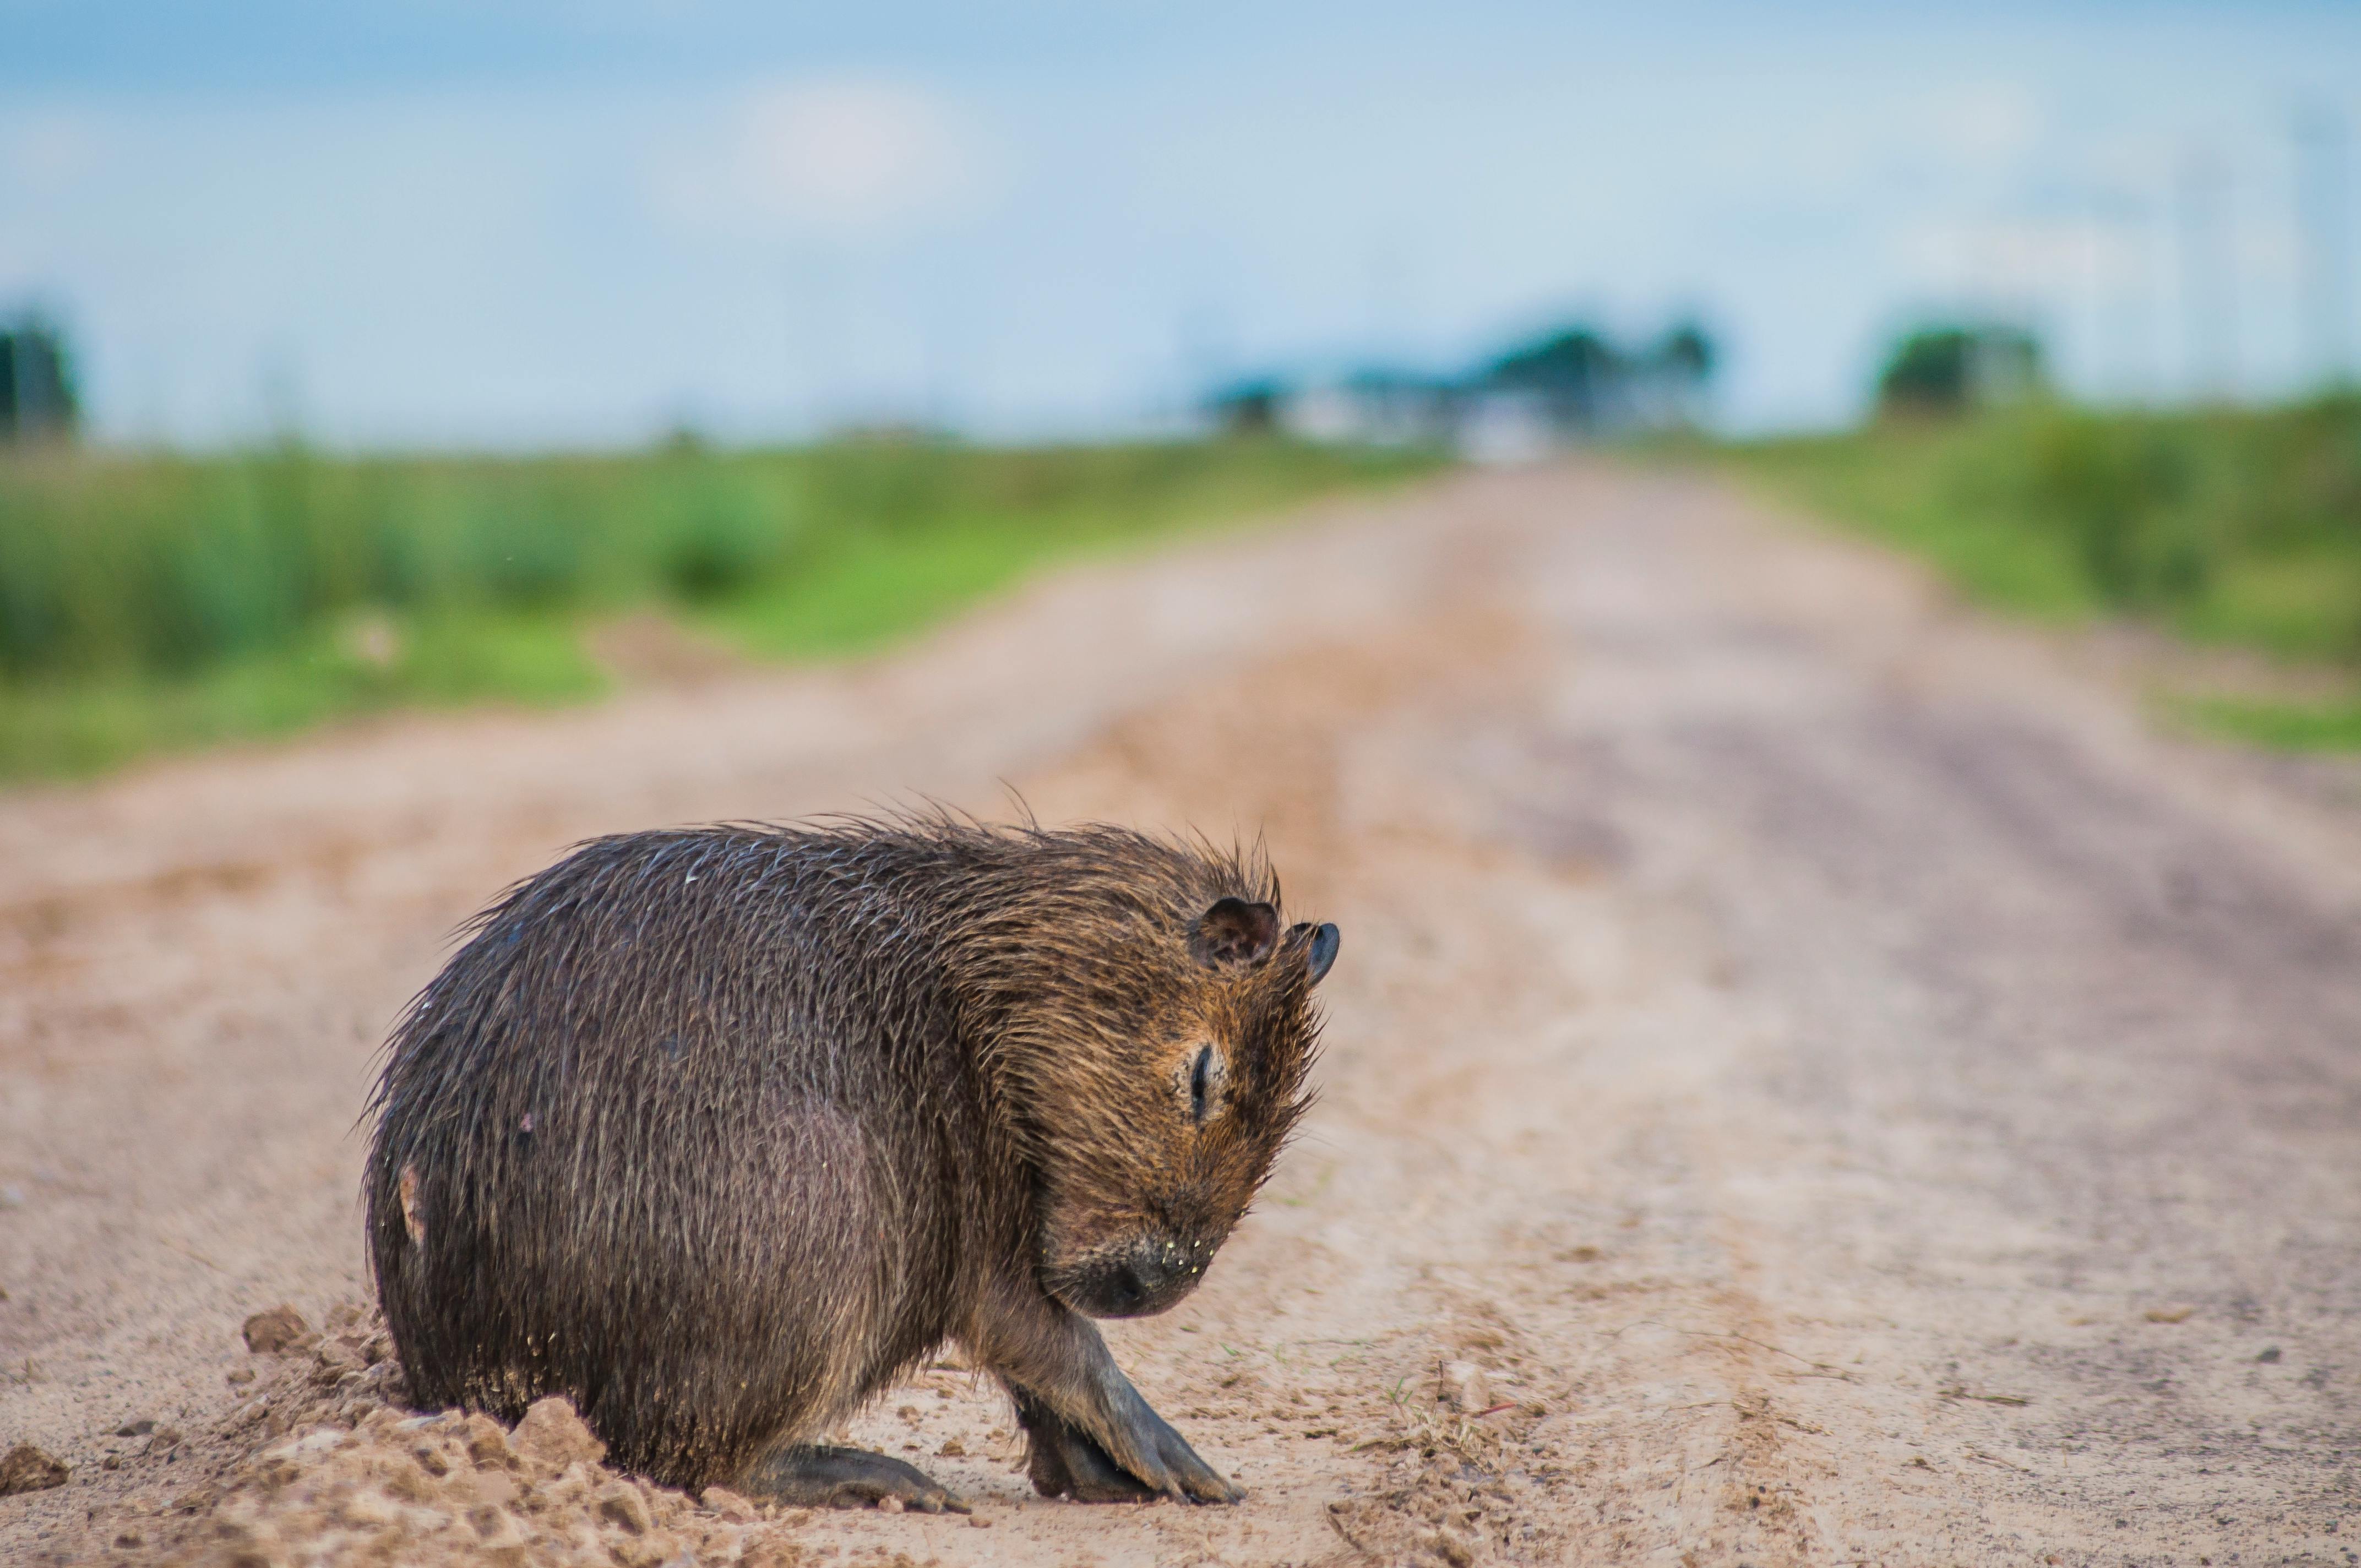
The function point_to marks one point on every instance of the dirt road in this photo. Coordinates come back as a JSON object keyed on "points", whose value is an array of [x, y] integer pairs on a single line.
{"points": [[1839, 1087]]}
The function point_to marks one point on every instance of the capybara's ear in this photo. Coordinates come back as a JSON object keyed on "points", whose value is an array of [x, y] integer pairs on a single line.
{"points": [[1325, 943], [1234, 932]]}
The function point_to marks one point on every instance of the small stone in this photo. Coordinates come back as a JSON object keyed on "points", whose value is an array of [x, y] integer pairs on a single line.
{"points": [[497, 1529], [487, 1443], [977, 1521], [27, 1469], [573, 1487], [952, 1448], [2270, 1353], [656, 1550], [729, 1505], [620, 1503], [139, 1428], [1463, 1385], [336, 1361], [280, 1329], [552, 1434], [1449, 1548], [405, 1479], [2173, 1314], [495, 1487], [240, 1375]]}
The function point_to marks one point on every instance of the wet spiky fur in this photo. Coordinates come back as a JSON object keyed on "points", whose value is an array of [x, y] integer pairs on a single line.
{"points": [[716, 1131]]}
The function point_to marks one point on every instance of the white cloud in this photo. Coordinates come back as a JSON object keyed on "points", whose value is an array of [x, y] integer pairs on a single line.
{"points": [[839, 160]]}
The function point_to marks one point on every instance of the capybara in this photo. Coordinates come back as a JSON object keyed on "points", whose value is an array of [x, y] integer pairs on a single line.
{"points": [[718, 1131]]}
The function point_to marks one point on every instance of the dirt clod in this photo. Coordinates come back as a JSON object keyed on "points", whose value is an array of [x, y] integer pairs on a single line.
{"points": [[486, 1442], [729, 1505], [276, 1331], [554, 1435], [28, 1469], [620, 1503]]}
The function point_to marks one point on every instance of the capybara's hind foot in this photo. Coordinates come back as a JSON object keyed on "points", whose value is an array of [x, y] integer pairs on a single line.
{"points": [[1065, 1463], [814, 1477]]}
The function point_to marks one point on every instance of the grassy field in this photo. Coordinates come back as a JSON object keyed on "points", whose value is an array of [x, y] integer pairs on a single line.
{"points": [[154, 602], [2240, 529]]}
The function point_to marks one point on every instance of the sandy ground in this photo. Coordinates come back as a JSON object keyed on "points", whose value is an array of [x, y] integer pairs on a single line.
{"points": [[1817, 1069]]}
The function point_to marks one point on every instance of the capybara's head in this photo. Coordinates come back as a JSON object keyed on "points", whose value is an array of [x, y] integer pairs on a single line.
{"points": [[1163, 1067]]}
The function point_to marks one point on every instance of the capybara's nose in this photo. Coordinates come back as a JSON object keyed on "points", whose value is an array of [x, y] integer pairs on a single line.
{"points": [[1132, 1288], [1149, 1278]]}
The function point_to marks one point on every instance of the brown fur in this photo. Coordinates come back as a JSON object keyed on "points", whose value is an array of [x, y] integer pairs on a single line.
{"points": [[716, 1131]]}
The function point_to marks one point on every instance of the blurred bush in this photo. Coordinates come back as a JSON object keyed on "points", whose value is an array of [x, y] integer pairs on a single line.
{"points": [[157, 599], [1946, 370], [2239, 526], [168, 565]]}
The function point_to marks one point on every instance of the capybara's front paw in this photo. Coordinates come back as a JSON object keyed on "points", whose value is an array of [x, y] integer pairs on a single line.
{"points": [[1198, 1481], [1163, 1459], [814, 1477], [1065, 1462]]}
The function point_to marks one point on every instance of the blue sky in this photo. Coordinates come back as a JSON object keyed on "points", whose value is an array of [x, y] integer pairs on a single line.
{"points": [[529, 223]]}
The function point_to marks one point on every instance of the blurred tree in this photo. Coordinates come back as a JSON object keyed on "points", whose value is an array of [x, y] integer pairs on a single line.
{"points": [[1680, 367], [1687, 352], [1247, 407], [1575, 374], [36, 388], [1947, 370]]}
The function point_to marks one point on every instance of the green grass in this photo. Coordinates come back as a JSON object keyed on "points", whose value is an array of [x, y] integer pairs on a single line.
{"points": [[2281, 726], [2234, 529], [157, 603], [1898, 487], [80, 725]]}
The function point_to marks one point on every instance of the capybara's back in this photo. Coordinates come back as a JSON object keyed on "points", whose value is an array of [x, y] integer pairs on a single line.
{"points": [[715, 1131]]}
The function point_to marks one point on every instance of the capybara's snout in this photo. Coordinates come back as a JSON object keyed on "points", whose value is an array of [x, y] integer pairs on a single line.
{"points": [[1150, 1275]]}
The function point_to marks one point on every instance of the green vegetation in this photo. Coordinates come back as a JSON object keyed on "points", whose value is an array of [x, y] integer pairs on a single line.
{"points": [[1944, 369], [2234, 528], [153, 601]]}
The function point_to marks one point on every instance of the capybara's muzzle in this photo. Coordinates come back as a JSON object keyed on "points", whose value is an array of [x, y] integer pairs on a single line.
{"points": [[1139, 1281]]}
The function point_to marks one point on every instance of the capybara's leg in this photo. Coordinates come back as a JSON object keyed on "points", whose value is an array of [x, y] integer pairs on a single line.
{"points": [[1064, 1462], [808, 1476], [1054, 1357]]}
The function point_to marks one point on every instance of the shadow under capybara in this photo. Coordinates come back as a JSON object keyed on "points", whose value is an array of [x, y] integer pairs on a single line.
{"points": [[718, 1131]]}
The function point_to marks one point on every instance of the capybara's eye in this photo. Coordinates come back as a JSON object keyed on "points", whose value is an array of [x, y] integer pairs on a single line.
{"points": [[1204, 1076]]}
